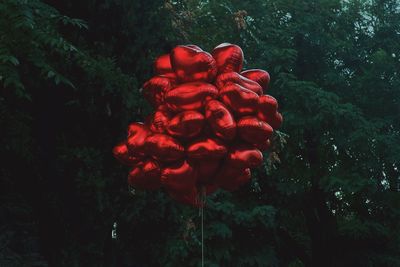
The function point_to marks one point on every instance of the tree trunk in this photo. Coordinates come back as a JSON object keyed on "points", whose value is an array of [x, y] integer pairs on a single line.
{"points": [[320, 221]]}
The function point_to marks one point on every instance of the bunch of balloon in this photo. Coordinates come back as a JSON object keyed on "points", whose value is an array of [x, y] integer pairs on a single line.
{"points": [[210, 125]]}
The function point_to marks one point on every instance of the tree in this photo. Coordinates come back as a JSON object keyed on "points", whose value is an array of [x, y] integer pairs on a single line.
{"points": [[328, 194]]}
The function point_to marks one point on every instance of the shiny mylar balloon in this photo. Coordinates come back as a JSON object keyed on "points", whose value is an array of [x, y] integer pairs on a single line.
{"points": [[158, 121], [253, 130], [189, 197], [155, 88], [122, 154], [244, 156], [190, 63], [267, 107], [186, 124], [162, 66], [179, 177], [210, 125], [137, 134], [190, 96], [231, 178], [234, 77], [206, 169], [220, 120], [260, 76], [206, 148], [263, 146], [276, 120], [239, 99], [164, 147], [145, 175], [229, 57]]}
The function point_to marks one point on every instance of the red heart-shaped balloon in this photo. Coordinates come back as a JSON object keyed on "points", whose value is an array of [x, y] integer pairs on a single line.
{"points": [[162, 66], [193, 196], [206, 148], [164, 147], [241, 100], [230, 178], [186, 124], [264, 146], [121, 153], [239, 180], [276, 120], [206, 169], [189, 197], [220, 120], [195, 47], [192, 64], [229, 57], [260, 76], [267, 107], [137, 134], [253, 130], [158, 121], [234, 77], [179, 177], [145, 175], [155, 88], [190, 96], [244, 156]]}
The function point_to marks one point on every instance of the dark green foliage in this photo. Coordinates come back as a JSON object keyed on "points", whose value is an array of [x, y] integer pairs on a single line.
{"points": [[327, 195]]}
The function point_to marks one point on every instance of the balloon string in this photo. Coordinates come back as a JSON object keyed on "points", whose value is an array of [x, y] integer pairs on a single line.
{"points": [[203, 200]]}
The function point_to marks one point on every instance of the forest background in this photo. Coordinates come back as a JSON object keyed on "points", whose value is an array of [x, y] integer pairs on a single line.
{"points": [[327, 194]]}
